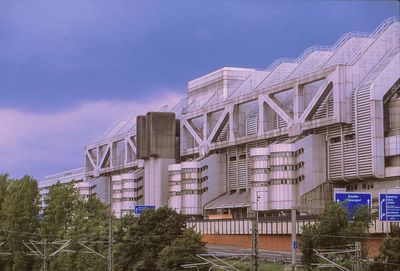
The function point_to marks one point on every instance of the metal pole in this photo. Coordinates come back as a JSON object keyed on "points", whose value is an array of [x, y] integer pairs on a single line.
{"points": [[386, 218], [44, 255], [110, 232], [294, 219], [255, 238]]}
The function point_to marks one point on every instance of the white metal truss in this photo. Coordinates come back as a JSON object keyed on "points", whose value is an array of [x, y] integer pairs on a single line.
{"points": [[108, 156], [295, 123]]}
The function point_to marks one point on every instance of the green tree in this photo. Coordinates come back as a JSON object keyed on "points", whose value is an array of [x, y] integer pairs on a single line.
{"points": [[3, 190], [389, 260], [182, 250], [21, 205], [141, 239], [334, 230], [67, 216], [62, 206]]}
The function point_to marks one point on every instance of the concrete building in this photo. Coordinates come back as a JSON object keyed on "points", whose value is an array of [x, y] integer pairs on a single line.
{"points": [[245, 140]]}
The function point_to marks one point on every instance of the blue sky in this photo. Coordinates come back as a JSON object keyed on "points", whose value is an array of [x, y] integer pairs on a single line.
{"points": [[70, 69]]}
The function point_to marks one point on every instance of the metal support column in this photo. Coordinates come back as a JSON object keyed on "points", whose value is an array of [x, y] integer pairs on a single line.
{"points": [[294, 241]]}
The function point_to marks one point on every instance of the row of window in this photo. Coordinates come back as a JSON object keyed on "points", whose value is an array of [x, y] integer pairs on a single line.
{"points": [[364, 186], [241, 157], [188, 192], [338, 139], [129, 189], [287, 167], [276, 182], [278, 168], [128, 198], [203, 168]]}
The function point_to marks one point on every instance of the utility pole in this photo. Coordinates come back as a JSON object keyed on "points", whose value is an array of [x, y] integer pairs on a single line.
{"points": [[255, 239], [110, 231], [33, 246], [44, 255], [294, 241], [255, 245], [357, 248]]}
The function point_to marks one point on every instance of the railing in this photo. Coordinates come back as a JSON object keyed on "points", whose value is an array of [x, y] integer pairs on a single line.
{"points": [[381, 28], [243, 226]]}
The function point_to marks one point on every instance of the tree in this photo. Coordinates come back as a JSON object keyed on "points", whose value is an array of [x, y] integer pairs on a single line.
{"points": [[62, 205], [68, 216], [140, 240], [19, 221], [182, 250], [334, 230], [389, 260], [3, 188]]}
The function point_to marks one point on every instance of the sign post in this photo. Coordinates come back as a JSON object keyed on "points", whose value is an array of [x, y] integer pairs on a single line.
{"points": [[352, 200]]}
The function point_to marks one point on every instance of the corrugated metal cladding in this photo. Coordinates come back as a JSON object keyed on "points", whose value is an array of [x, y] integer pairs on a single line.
{"points": [[239, 165], [364, 139], [252, 125], [224, 134], [326, 107]]}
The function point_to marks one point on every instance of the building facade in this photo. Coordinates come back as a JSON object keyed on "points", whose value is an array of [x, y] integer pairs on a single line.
{"points": [[245, 140]]}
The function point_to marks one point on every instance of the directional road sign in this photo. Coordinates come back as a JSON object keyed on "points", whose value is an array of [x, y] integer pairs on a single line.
{"points": [[389, 207], [295, 244], [141, 208], [352, 200]]}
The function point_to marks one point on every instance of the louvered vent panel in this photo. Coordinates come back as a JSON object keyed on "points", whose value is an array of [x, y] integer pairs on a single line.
{"points": [[364, 130], [242, 167], [350, 159], [325, 109], [335, 154], [249, 147], [330, 105], [320, 130], [252, 125], [232, 169], [262, 143], [279, 122], [223, 136]]}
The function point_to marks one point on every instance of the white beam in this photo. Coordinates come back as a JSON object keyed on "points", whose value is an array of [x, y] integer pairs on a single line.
{"points": [[218, 124], [191, 131], [316, 100], [104, 156], [277, 109], [90, 159]]}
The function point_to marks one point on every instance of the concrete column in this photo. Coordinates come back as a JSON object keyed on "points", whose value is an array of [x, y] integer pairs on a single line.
{"points": [[261, 117], [298, 102]]}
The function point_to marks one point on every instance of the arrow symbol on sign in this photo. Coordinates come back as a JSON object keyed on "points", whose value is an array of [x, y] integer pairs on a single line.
{"points": [[383, 213]]}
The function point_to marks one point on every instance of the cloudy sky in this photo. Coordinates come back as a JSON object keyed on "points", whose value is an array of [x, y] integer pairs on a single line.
{"points": [[71, 69]]}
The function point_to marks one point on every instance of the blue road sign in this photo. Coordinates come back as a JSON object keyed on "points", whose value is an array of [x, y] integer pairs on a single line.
{"points": [[352, 200], [389, 207], [295, 244], [141, 208]]}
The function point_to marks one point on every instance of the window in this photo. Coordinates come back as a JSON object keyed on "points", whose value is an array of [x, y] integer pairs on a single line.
{"points": [[242, 156], [335, 139], [232, 158], [349, 137]]}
